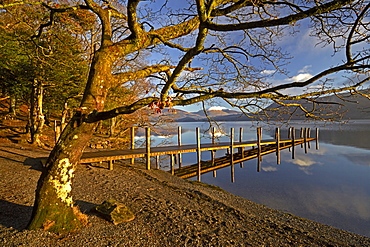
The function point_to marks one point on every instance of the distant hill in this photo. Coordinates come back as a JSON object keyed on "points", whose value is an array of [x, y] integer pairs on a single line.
{"points": [[216, 113], [200, 116], [180, 114], [347, 107]]}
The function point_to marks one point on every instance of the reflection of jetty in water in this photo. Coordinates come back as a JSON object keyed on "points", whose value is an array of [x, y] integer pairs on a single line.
{"points": [[225, 161], [258, 149]]}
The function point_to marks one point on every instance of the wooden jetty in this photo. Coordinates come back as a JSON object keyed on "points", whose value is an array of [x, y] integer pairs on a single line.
{"points": [[112, 155], [262, 147]]}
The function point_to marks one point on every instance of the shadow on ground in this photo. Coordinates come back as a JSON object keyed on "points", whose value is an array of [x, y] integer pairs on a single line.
{"points": [[17, 216], [14, 215], [86, 207], [35, 163]]}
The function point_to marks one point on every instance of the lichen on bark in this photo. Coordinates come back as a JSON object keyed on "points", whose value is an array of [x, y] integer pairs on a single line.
{"points": [[62, 183], [55, 210]]}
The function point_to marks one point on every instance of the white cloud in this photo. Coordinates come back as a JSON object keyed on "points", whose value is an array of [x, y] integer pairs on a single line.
{"points": [[305, 69], [303, 162], [269, 169], [299, 77], [304, 165], [268, 72]]}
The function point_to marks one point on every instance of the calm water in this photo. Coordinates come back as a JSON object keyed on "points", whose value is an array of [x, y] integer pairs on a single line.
{"points": [[330, 185]]}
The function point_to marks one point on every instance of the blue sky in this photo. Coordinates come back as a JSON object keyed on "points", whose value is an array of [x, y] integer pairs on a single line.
{"points": [[308, 59]]}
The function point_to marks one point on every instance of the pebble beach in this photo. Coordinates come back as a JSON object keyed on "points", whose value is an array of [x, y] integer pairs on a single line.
{"points": [[169, 211]]}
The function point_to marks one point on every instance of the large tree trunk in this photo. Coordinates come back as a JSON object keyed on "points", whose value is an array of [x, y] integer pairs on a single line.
{"points": [[54, 208]]}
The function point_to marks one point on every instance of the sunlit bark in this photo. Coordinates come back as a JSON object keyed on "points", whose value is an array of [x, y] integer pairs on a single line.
{"points": [[37, 118]]}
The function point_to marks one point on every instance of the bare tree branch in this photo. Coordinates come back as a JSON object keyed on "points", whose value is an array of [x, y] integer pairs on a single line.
{"points": [[290, 19]]}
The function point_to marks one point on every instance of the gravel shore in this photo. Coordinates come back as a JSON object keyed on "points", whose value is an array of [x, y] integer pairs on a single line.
{"points": [[169, 211]]}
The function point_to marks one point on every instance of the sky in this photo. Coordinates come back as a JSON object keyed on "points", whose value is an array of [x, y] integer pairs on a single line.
{"points": [[308, 60]]}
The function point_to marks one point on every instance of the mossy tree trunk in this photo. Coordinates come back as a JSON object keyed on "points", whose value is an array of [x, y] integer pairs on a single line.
{"points": [[54, 208]]}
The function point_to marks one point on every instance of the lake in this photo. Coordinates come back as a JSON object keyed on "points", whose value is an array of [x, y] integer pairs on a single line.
{"points": [[330, 185]]}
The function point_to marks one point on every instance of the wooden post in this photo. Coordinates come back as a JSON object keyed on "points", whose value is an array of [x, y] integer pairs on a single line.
{"points": [[213, 162], [213, 131], [179, 144], [232, 155], [241, 149], [132, 143], [259, 156], [308, 136], [301, 136], [305, 139], [277, 136], [147, 135], [290, 136], [110, 165], [293, 141], [317, 138], [213, 152], [157, 162], [172, 162], [198, 153]]}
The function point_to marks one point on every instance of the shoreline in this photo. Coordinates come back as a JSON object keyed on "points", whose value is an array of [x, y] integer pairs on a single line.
{"points": [[169, 211]]}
